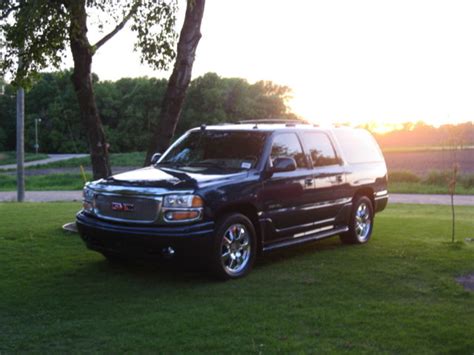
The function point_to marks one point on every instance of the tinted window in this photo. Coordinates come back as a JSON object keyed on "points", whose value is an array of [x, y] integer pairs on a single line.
{"points": [[288, 145], [320, 148], [216, 149], [358, 145]]}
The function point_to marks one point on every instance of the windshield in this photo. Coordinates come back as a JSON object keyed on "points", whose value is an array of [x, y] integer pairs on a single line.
{"points": [[209, 149]]}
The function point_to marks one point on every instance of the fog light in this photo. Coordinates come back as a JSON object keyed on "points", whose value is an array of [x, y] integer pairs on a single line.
{"points": [[181, 215], [168, 252], [87, 206]]}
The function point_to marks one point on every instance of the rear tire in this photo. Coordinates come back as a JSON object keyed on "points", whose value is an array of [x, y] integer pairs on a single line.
{"points": [[235, 247], [360, 223]]}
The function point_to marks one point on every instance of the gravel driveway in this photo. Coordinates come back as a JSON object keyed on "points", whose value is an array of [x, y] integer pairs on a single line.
{"points": [[52, 158]]}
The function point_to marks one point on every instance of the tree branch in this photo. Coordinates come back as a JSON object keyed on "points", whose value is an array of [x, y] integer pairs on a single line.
{"points": [[5, 13], [112, 33]]}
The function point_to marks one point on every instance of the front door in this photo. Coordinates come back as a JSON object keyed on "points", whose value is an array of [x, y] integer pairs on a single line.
{"points": [[286, 194]]}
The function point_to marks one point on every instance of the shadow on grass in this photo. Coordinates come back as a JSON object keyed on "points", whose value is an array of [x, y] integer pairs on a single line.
{"points": [[300, 251], [183, 271]]}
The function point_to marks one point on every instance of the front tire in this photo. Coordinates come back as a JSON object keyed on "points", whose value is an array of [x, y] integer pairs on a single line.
{"points": [[234, 247], [361, 222], [115, 259]]}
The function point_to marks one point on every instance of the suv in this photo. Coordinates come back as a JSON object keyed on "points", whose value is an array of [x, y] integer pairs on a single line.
{"points": [[229, 192]]}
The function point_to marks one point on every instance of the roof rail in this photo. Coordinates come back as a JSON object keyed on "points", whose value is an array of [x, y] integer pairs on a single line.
{"points": [[287, 122]]}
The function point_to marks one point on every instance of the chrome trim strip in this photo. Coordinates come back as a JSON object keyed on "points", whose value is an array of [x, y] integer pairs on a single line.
{"points": [[135, 221], [381, 197], [136, 191], [149, 197], [311, 224], [313, 231], [317, 205], [289, 242], [380, 193]]}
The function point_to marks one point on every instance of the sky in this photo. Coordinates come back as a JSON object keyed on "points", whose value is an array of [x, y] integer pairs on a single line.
{"points": [[347, 61]]}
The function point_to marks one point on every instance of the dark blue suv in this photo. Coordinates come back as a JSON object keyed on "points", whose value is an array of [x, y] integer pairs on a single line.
{"points": [[229, 192]]}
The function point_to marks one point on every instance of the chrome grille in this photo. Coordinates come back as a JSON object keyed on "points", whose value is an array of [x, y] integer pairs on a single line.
{"points": [[137, 209]]}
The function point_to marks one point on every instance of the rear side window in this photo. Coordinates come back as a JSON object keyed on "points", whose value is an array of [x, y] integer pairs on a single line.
{"points": [[288, 145], [358, 146], [320, 148]]}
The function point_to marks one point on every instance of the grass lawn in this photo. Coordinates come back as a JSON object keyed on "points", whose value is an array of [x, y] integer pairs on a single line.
{"points": [[134, 159], [7, 158], [67, 181], [51, 182], [395, 295]]}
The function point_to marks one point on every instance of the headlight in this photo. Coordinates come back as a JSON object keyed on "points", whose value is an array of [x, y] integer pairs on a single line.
{"points": [[182, 208], [88, 203], [88, 194], [183, 201]]}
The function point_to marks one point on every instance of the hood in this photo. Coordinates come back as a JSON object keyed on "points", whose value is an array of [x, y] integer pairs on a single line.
{"points": [[169, 178]]}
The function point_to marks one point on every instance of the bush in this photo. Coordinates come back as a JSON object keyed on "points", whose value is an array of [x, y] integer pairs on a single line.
{"points": [[436, 177], [442, 178], [403, 176], [467, 180]]}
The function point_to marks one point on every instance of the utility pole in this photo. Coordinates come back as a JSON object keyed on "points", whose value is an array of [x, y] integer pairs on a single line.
{"points": [[20, 142], [37, 120]]}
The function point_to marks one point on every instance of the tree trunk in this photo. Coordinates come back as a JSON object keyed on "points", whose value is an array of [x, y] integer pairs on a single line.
{"points": [[179, 80], [82, 79]]}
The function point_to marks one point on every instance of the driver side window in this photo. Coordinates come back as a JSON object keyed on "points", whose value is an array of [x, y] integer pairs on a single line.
{"points": [[288, 145]]}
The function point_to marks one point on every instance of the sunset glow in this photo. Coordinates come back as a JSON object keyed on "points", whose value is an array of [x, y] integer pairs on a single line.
{"points": [[366, 61]]}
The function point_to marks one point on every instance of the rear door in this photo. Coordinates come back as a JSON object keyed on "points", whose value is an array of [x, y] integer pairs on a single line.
{"points": [[328, 196]]}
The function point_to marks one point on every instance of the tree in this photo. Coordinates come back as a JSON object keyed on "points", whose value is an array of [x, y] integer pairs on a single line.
{"points": [[39, 31], [131, 105], [179, 80]]}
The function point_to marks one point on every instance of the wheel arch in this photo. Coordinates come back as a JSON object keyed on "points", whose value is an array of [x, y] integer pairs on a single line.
{"points": [[365, 191], [250, 211]]}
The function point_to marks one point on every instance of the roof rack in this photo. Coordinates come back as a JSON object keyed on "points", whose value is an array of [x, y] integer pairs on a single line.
{"points": [[274, 121]]}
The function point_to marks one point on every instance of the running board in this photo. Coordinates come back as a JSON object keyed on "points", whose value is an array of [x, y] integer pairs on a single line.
{"points": [[306, 239]]}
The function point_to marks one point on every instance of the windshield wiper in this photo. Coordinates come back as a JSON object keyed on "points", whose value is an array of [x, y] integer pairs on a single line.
{"points": [[169, 163], [208, 164]]}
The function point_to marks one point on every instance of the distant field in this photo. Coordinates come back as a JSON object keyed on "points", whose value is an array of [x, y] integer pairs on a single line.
{"points": [[423, 188], [413, 161], [426, 148], [7, 158], [422, 162]]}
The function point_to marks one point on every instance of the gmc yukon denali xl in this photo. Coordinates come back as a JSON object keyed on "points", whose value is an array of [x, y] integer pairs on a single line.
{"points": [[227, 193]]}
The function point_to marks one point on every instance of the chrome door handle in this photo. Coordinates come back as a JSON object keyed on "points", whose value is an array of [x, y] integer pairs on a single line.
{"points": [[308, 182]]}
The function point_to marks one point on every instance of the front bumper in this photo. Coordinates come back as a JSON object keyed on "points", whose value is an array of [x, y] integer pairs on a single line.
{"points": [[144, 241], [381, 202]]}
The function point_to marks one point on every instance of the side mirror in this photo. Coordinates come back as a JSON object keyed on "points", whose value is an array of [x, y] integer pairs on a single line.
{"points": [[155, 157], [283, 164]]}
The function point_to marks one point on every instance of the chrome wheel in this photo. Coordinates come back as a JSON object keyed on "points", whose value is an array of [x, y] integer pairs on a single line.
{"points": [[363, 222], [235, 248]]}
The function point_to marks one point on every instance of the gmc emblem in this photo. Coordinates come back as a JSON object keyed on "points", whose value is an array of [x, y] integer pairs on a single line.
{"points": [[125, 207]]}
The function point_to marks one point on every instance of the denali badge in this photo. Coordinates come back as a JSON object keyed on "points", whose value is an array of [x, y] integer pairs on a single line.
{"points": [[119, 206]]}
